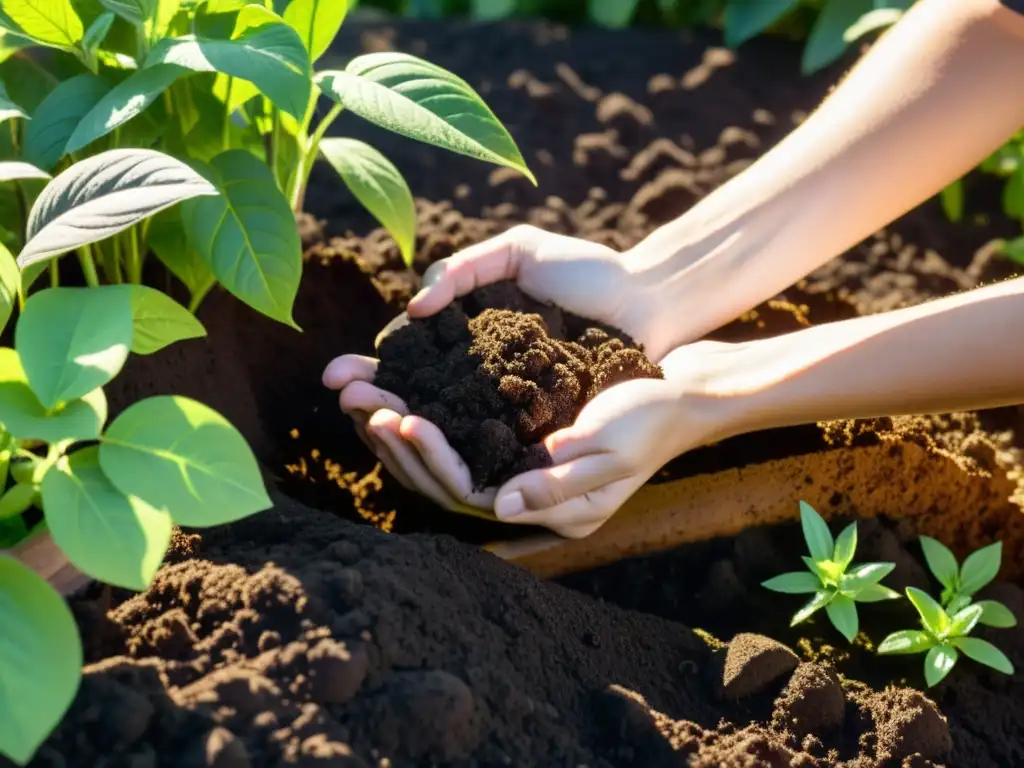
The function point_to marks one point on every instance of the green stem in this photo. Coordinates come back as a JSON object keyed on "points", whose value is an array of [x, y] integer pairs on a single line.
{"points": [[54, 274], [88, 265], [134, 265], [225, 137], [112, 261], [197, 298], [297, 193], [275, 144]]}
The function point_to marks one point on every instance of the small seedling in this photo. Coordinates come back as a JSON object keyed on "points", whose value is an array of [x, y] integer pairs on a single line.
{"points": [[836, 584], [961, 583], [944, 637]]}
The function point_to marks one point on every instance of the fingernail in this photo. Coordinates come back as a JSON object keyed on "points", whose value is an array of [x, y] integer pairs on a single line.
{"points": [[509, 505]]}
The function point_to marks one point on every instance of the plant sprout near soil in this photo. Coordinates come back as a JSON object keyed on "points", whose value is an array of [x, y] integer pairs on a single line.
{"points": [[961, 582], [944, 638], [836, 585]]}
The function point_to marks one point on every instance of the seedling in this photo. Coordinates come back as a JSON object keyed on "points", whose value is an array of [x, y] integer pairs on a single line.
{"points": [[836, 585], [944, 638], [960, 583]]}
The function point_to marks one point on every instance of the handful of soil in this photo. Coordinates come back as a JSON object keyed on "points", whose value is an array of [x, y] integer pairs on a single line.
{"points": [[497, 372]]}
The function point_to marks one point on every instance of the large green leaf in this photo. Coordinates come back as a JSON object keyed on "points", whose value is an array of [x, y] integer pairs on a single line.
{"points": [[117, 539], [179, 455], [906, 641], [941, 561], [50, 22], [815, 604], [317, 22], [935, 619], [415, 98], [23, 416], [794, 583], [247, 235], [965, 620], [103, 195], [270, 55], [979, 568], [612, 13], [13, 170], [938, 663], [819, 540], [8, 108], [845, 547], [842, 612], [826, 43], [73, 340], [745, 19], [58, 115], [995, 614], [40, 660], [10, 282], [159, 320], [168, 241], [985, 653], [378, 185], [138, 12]]}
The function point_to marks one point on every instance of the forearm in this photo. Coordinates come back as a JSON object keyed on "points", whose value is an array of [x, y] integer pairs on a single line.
{"points": [[958, 353], [934, 96]]}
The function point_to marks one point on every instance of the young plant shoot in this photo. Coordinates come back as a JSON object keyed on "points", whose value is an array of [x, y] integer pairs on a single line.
{"points": [[961, 583], [944, 637], [835, 584]]}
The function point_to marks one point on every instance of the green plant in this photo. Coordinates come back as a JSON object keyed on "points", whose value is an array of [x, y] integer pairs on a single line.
{"points": [[836, 585], [961, 582], [944, 638], [229, 89]]}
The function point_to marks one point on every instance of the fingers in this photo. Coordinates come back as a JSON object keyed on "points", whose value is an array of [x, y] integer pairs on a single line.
{"points": [[361, 397], [487, 262], [346, 369], [551, 487], [576, 518], [443, 462]]}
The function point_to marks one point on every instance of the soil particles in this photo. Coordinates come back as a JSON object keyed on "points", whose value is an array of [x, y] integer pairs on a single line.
{"points": [[306, 637]]}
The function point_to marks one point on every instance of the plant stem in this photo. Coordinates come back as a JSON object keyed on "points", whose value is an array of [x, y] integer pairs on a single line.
{"points": [[112, 261], [226, 131], [88, 265], [134, 265], [307, 157], [197, 298], [275, 144], [54, 274]]}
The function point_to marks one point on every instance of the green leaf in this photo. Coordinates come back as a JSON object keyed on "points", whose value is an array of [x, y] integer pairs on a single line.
{"points": [[907, 641], [985, 653], [16, 500], [12, 170], [247, 235], [816, 603], [270, 55], [1014, 249], [826, 44], [492, 10], [138, 12], [57, 117], [875, 593], [126, 100], [49, 22], [12, 532], [941, 561], [933, 617], [869, 573], [938, 663], [94, 37], [956, 602], [422, 101], [980, 568], [843, 614], [23, 416], [872, 21], [8, 108], [952, 199], [179, 455], [379, 186], [816, 533], [994, 614], [317, 22], [117, 539], [40, 660], [612, 13], [965, 620], [745, 19], [795, 583], [159, 321], [846, 546], [103, 195], [1013, 194], [167, 240], [73, 340], [10, 282]]}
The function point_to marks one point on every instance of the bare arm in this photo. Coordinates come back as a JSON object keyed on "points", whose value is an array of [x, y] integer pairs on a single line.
{"points": [[937, 94]]}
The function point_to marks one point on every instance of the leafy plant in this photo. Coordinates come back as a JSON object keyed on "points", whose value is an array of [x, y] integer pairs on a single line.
{"points": [[961, 582], [944, 638], [836, 585]]}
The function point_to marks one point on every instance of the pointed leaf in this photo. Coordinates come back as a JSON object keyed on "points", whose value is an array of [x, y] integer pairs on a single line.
{"points": [[612, 13], [956, 604], [826, 44], [422, 101], [57, 117], [985, 653], [117, 539], [816, 533], [135, 11], [167, 240], [159, 321], [247, 235], [875, 593], [12, 170], [50, 22], [798, 582], [8, 108], [40, 663], [745, 19], [95, 35], [103, 195], [952, 200], [997, 615], [17, 500], [816, 603], [379, 186], [317, 23], [846, 546], [871, 22], [940, 560], [965, 620], [23, 416], [933, 617], [938, 663], [868, 573], [907, 641], [815, 568], [73, 340], [842, 612], [10, 282], [179, 455], [980, 568]]}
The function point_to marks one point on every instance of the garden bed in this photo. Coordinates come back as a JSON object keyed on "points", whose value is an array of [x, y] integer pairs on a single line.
{"points": [[300, 638]]}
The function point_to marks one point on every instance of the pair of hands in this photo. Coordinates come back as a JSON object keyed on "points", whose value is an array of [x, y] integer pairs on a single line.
{"points": [[620, 439]]}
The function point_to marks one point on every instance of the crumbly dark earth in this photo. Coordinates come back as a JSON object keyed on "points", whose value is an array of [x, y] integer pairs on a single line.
{"points": [[301, 638], [497, 376]]}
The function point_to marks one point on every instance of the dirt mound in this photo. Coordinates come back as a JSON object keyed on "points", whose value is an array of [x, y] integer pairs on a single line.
{"points": [[497, 376]]}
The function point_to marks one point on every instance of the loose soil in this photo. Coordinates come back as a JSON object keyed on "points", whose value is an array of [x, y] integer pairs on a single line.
{"points": [[301, 638], [497, 372]]}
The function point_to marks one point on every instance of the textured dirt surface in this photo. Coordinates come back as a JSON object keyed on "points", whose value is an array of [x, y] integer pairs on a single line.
{"points": [[301, 639], [497, 372]]}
